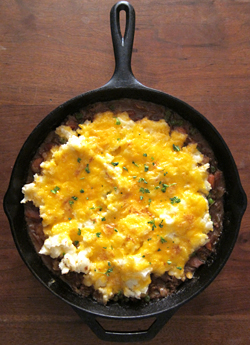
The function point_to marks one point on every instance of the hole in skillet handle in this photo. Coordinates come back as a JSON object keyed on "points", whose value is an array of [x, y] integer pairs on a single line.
{"points": [[129, 336], [122, 45]]}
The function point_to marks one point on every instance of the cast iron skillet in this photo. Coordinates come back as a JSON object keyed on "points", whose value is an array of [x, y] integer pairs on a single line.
{"points": [[124, 85]]}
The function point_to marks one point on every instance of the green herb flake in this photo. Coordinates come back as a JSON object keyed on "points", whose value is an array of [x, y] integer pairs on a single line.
{"points": [[159, 249], [103, 219], [162, 239], [118, 139], [152, 222], [98, 234], [115, 230], [134, 177], [79, 232], [74, 198], [81, 191], [135, 164], [117, 121], [146, 167], [210, 201], [79, 160], [147, 190], [165, 186], [143, 256], [55, 190], [115, 164], [71, 202], [176, 148], [144, 155], [161, 225], [125, 168], [87, 169], [141, 197], [109, 270], [76, 243], [179, 268], [175, 200]]}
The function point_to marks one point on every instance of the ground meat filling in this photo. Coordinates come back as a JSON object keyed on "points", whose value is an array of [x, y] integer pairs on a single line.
{"points": [[160, 286]]}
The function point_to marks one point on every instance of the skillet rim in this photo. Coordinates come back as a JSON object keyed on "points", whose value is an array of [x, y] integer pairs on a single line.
{"points": [[62, 110]]}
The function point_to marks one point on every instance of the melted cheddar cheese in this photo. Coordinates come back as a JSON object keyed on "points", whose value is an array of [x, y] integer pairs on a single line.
{"points": [[121, 200]]}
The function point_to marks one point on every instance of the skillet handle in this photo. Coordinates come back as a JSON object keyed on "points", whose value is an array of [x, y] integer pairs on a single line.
{"points": [[129, 336], [123, 46]]}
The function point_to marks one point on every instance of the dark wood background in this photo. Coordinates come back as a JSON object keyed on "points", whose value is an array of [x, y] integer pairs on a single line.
{"points": [[51, 51]]}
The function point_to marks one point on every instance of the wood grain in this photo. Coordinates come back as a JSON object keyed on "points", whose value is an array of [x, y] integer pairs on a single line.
{"points": [[51, 51]]}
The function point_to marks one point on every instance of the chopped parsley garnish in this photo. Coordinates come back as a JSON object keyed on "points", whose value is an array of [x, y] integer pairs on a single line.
{"points": [[176, 148], [55, 190], [135, 164], [144, 190], [87, 169], [117, 121], [81, 191], [210, 201], [165, 186], [98, 234], [141, 179], [213, 169], [125, 168], [141, 197], [76, 243], [115, 230], [103, 219], [118, 139], [175, 200], [71, 202], [153, 224], [159, 249], [163, 240], [146, 167], [79, 159], [115, 164], [169, 262], [179, 268], [143, 256], [109, 270], [79, 232], [74, 197], [161, 225], [144, 154], [134, 177]]}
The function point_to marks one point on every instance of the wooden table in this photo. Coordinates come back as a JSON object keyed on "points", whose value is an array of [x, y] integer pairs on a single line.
{"points": [[198, 51]]}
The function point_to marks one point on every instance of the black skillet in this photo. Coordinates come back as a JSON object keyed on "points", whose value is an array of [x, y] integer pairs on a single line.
{"points": [[124, 85]]}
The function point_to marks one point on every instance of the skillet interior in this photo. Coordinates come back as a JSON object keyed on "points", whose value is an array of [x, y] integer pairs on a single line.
{"points": [[124, 85]]}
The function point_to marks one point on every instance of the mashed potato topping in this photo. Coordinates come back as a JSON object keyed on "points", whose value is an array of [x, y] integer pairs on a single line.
{"points": [[120, 200]]}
